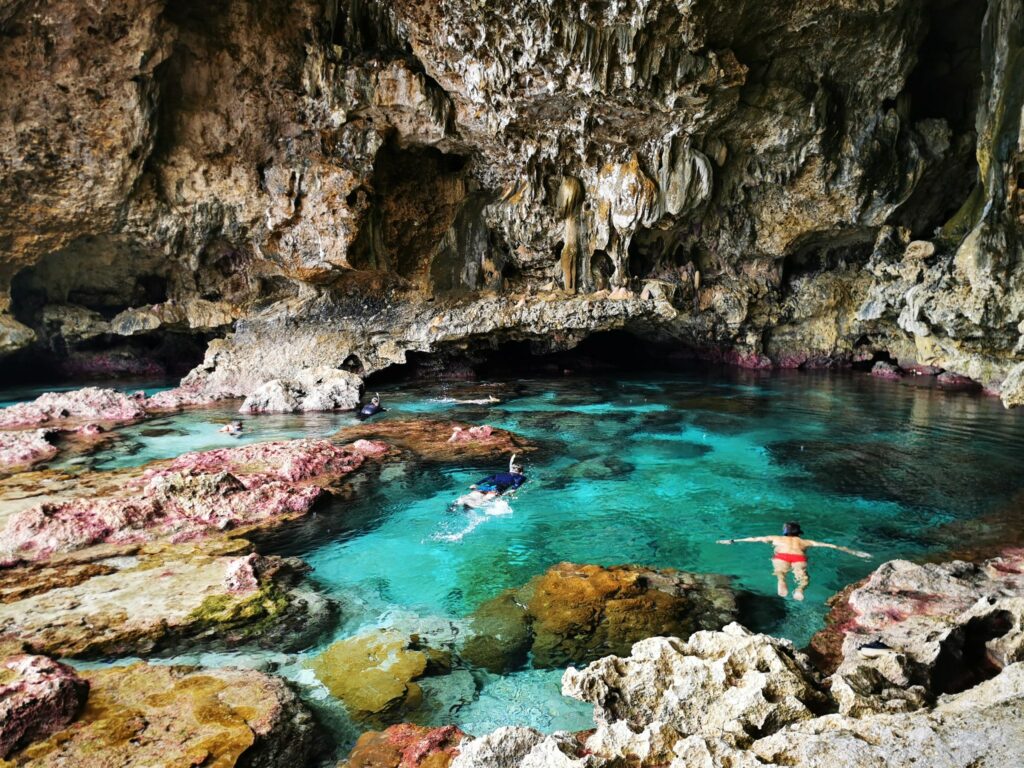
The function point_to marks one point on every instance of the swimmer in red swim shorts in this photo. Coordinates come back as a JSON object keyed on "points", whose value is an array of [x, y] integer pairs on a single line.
{"points": [[790, 555]]}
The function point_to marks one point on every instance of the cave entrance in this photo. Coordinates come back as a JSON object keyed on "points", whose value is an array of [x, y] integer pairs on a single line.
{"points": [[417, 194], [945, 84]]}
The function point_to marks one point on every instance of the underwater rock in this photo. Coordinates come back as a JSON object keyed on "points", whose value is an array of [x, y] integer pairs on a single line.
{"points": [[576, 613], [945, 626], [431, 439], [167, 717], [312, 390], [22, 448], [405, 746], [69, 408], [38, 696], [732, 685], [161, 597], [601, 468], [192, 496], [500, 636], [373, 674]]}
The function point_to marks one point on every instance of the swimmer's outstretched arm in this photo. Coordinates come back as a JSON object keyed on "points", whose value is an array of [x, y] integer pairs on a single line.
{"points": [[847, 550], [758, 539]]}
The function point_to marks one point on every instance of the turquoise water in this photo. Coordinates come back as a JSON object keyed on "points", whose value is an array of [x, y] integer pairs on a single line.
{"points": [[630, 470]]}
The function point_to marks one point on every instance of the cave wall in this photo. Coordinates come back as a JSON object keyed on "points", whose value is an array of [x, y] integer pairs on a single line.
{"points": [[767, 182]]}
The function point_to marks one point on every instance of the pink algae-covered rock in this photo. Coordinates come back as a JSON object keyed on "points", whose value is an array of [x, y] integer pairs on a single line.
{"points": [[38, 697], [23, 448], [182, 397], [884, 370], [188, 498], [470, 435], [89, 404], [243, 574]]}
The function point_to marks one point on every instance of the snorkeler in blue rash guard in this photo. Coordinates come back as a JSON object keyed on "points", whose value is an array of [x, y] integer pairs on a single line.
{"points": [[493, 486], [372, 408]]}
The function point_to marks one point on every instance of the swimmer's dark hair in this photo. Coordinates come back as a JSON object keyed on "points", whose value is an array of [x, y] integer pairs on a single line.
{"points": [[792, 529]]}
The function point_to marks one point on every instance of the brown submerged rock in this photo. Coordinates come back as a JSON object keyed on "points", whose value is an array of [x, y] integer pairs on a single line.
{"points": [[373, 674], [576, 613], [38, 696], [169, 717], [213, 593], [406, 746], [432, 439]]}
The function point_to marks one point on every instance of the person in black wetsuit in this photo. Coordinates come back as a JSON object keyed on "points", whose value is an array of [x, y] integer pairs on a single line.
{"points": [[497, 484], [372, 408]]}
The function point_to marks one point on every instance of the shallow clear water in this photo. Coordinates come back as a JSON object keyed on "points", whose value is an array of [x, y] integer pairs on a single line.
{"points": [[631, 470]]}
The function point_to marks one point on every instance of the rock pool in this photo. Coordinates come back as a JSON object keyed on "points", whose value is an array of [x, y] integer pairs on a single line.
{"points": [[648, 470]]}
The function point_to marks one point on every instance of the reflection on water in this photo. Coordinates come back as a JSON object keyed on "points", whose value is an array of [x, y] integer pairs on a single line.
{"points": [[648, 471]]}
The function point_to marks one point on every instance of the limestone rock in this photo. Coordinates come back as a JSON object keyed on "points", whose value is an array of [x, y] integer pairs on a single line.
{"points": [[21, 449], [948, 626], [192, 496], [160, 598], [317, 390], [515, 747], [980, 727], [38, 697], [81, 405], [731, 684], [166, 717], [431, 439]]}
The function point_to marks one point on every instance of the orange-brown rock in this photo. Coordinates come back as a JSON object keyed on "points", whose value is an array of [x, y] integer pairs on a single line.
{"points": [[440, 440], [577, 613], [171, 717], [405, 746]]}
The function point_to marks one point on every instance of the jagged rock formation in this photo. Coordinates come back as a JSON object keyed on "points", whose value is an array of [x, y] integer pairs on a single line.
{"points": [[733, 699], [38, 696], [788, 183]]}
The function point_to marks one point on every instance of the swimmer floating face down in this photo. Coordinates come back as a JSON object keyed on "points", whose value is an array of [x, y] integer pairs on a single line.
{"points": [[790, 555]]}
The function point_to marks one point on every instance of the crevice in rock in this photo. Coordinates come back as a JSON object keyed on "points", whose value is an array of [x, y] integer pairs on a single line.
{"points": [[964, 660]]}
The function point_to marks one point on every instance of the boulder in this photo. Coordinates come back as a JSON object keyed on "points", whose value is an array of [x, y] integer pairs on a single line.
{"points": [[732, 685], [167, 717], [516, 747], [321, 389], [373, 674], [884, 370], [212, 593], [406, 746], [38, 697], [81, 405], [576, 613]]}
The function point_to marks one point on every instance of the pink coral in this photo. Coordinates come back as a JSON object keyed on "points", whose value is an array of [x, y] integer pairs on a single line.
{"points": [[43, 697]]}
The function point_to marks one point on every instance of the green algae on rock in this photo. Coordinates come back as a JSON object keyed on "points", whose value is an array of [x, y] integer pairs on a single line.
{"points": [[167, 717], [161, 597]]}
